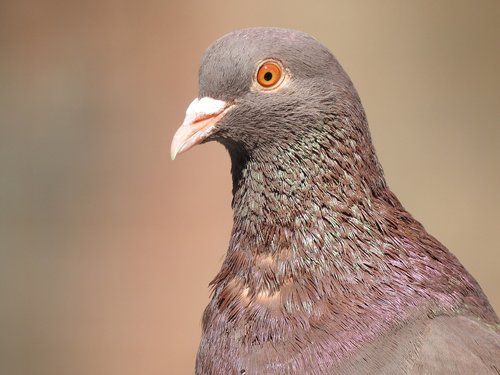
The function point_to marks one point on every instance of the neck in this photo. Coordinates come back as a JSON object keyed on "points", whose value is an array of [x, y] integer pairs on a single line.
{"points": [[298, 219], [336, 228]]}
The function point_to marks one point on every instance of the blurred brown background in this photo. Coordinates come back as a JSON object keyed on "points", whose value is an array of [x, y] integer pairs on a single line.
{"points": [[107, 247]]}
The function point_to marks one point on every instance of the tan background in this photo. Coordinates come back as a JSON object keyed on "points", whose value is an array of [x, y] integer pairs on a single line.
{"points": [[107, 247]]}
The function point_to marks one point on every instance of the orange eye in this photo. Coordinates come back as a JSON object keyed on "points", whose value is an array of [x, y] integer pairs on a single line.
{"points": [[269, 74]]}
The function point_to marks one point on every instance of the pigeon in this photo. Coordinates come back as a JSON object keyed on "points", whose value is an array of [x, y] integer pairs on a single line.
{"points": [[326, 272]]}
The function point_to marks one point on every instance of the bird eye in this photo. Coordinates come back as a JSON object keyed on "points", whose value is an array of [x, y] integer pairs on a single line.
{"points": [[269, 74]]}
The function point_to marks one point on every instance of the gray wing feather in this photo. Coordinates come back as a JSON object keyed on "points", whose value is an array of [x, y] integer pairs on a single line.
{"points": [[443, 345], [458, 345]]}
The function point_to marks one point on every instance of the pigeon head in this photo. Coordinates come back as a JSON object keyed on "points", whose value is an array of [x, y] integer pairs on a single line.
{"points": [[265, 91]]}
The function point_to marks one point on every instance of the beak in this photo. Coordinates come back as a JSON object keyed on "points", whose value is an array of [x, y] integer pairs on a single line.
{"points": [[201, 117]]}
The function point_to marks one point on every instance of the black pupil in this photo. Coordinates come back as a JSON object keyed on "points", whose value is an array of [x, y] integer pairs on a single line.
{"points": [[268, 76]]}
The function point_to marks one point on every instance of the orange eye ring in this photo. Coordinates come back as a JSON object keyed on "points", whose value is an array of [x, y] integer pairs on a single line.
{"points": [[269, 74]]}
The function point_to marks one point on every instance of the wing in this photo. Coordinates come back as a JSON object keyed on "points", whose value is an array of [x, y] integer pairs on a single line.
{"points": [[458, 345], [443, 345]]}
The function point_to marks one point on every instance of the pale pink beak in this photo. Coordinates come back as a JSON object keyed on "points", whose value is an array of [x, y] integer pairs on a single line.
{"points": [[201, 117]]}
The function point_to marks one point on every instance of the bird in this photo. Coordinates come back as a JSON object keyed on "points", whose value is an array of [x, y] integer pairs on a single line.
{"points": [[325, 272]]}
